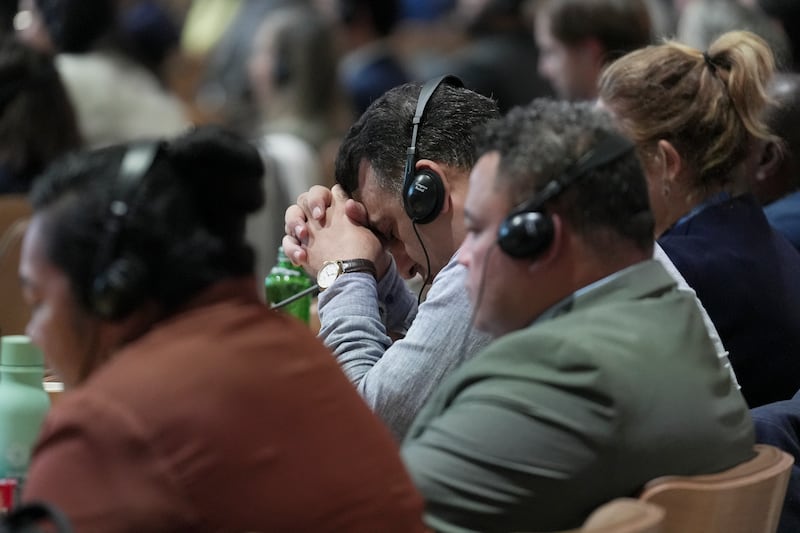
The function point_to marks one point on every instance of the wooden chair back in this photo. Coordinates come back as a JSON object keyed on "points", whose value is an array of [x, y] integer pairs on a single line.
{"points": [[15, 211], [744, 499], [625, 515]]}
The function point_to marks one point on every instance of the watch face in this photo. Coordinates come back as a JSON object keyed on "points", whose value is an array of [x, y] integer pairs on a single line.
{"points": [[329, 272]]}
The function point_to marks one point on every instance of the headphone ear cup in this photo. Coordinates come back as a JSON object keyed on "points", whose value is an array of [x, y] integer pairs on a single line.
{"points": [[119, 288], [423, 196], [525, 235]]}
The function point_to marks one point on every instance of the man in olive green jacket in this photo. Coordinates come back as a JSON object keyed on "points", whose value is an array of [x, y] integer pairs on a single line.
{"points": [[603, 376]]}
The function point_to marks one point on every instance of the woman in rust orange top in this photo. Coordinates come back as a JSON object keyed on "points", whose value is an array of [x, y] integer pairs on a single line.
{"points": [[191, 406]]}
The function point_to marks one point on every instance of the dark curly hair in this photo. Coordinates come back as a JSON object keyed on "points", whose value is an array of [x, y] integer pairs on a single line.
{"points": [[537, 143], [185, 221]]}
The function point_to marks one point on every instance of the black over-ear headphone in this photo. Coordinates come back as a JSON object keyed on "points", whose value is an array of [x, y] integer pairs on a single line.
{"points": [[423, 192], [527, 231], [120, 279]]}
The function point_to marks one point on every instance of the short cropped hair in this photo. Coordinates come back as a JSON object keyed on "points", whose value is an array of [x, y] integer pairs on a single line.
{"points": [[621, 26], [383, 133], [537, 143]]}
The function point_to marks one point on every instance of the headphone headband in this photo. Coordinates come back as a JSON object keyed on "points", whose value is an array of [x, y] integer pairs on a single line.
{"points": [[138, 159], [423, 193], [118, 280], [425, 94], [610, 148], [527, 231]]}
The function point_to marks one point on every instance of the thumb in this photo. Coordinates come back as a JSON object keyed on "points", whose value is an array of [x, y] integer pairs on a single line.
{"points": [[356, 212], [339, 194]]}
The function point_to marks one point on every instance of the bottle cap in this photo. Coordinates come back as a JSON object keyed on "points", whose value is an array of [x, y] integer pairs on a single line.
{"points": [[18, 350], [281, 254]]}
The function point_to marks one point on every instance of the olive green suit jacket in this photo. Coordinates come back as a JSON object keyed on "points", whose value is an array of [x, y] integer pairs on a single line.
{"points": [[614, 386]]}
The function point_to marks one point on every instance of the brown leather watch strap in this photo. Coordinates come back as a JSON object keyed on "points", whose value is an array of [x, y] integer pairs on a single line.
{"points": [[359, 265]]}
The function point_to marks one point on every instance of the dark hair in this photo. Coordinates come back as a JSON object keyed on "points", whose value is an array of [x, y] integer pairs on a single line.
{"points": [[383, 133], [783, 115], [37, 121], [185, 221], [382, 14], [503, 14], [703, 21], [787, 14], [8, 9], [148, 33], [619, 25], [539, 142], [76, 26]]}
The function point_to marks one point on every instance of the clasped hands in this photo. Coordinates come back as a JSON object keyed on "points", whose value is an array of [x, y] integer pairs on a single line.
{"points": [[327, 225]]}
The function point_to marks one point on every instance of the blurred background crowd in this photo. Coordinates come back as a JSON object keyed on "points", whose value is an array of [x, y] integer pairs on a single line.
{"points": [[292, 75], [709, 125]]}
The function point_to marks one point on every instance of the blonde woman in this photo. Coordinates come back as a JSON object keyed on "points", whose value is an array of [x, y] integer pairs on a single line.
{"points": [[695, 115]]}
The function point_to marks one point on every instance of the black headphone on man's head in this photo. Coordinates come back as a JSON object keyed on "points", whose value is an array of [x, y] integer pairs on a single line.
{"points": [[120, 279], [527, 231], [423, 191]]}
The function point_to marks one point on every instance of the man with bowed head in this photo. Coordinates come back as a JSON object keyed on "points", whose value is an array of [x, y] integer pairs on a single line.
{"points": [[399, 206], [379, 238], [603, 375]]}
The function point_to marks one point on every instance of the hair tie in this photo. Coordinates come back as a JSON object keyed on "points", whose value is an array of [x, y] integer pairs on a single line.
{"points": [[709, 62]]}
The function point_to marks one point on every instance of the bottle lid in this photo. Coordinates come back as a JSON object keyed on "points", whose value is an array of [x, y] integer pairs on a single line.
{"points": [[281, 254], [18, 350]]}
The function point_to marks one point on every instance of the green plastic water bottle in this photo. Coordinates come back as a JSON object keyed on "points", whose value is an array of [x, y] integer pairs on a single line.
{"points": [[23, 404], [286, 280]]}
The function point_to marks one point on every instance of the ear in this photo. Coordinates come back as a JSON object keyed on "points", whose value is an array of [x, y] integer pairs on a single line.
{"points": [[769, 161], [672, 163], [445, 174]]}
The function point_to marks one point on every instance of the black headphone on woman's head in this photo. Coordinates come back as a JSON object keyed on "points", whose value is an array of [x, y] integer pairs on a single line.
{"points": [[120, 279]]}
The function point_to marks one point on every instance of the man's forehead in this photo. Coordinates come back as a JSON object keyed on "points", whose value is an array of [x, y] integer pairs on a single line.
{"points": [[381, 205], [366, 177]]}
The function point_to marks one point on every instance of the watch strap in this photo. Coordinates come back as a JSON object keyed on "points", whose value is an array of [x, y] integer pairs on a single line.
{"points": [[358, 265]]}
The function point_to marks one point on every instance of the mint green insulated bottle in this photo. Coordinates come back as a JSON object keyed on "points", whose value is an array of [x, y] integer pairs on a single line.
{"points": [[23, 404]]}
